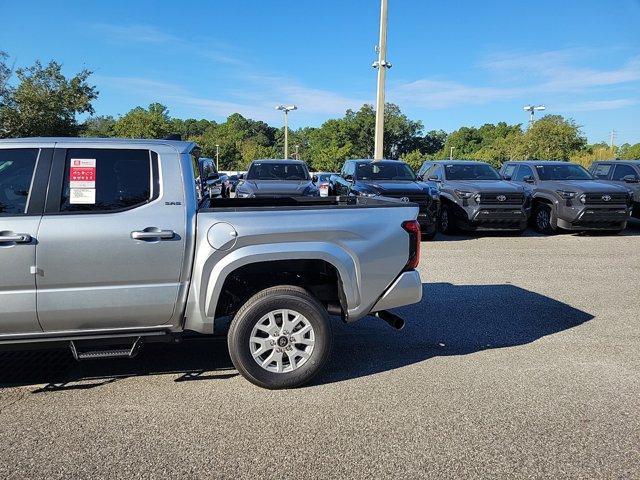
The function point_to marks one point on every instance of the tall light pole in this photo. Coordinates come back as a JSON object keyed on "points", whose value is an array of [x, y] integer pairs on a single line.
{"points": [[217, 157], [532, 109], [286, 109], [381, 64]]}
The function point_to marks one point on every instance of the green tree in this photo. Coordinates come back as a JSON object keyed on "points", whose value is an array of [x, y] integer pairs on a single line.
{"points": [[45, 102], [629, 152], [153, 122], [5, 74], [551, 138], [100, 126]]}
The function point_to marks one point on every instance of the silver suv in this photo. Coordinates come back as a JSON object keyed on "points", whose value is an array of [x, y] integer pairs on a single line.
{"points": [[567, 196]]}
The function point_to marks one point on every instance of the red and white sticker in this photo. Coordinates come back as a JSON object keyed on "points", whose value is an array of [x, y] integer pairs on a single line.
{"points": [[324, 189], [82, 173], [82, 181]]}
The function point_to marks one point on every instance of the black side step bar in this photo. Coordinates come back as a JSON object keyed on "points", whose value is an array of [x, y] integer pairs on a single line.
{"points": [[105, 354]]}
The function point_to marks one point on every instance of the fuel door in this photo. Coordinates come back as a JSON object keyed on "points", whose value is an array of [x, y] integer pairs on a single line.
{"points": [[222, 236]]}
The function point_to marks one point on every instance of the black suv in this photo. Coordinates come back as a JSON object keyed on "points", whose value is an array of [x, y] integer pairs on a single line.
{"points": [[474, 197], [388, 178]]}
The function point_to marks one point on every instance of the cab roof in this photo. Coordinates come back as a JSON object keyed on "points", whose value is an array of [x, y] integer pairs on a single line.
{"points": [[180, 145], [279, 160]]}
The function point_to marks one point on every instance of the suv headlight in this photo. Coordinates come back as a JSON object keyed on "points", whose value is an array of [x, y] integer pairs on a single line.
{"points": [[369, 194], [566, 194], [243, 195], [477, 197], [463, 194]]}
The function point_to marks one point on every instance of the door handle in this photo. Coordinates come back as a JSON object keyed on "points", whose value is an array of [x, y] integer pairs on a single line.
{"points": [[15, 237], [152, 234]]}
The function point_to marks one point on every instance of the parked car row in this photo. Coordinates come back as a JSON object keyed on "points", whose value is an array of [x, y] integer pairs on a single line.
{"points": [[471, 195]]}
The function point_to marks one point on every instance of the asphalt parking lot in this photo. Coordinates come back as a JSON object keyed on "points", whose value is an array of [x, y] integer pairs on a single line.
{"points": [[522, 361]]}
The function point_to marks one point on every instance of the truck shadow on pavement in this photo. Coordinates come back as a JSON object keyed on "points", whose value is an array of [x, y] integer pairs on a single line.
{"points": [[450, 320], [203, 358]]}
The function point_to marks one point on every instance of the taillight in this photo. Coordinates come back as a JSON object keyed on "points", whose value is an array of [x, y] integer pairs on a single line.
{"points": [[412, 227]]}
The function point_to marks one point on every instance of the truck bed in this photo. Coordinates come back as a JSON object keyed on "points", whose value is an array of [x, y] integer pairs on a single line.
{"points": [[302, 202]]}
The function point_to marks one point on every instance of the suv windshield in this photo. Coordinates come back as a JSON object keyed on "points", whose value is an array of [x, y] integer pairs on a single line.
{"points": [[384, 171], [468, 171], [277, 171], [569, 171]]}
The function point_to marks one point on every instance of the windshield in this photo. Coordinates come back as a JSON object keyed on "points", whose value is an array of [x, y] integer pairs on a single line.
{"points": [[470, 171], [569, 171], [324, 177], [384, 171], [277, 171]]}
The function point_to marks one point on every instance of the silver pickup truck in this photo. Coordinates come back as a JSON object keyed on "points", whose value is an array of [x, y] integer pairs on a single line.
{"points": [[104, 246]]}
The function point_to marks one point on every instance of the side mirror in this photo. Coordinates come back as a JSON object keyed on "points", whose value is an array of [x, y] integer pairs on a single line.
{"points": [[348, 178], [314, 178], [240, 176], [630, 179], [529, 179], [433, 178], [506, 177]]}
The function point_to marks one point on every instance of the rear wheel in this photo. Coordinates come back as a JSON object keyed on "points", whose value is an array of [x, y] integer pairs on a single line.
{"points": [[280, 338], [445, 220], [542, 219]]}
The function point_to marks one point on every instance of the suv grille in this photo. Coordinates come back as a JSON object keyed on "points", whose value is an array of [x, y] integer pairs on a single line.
{"points": [[599, 198], [495, 198], [421, 199]]}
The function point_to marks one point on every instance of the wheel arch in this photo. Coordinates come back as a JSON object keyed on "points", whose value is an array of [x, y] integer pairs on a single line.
{"points": [[263, 266]]}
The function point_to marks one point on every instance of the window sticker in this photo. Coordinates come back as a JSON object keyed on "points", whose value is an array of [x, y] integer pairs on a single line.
{"points": [[82, 181], [83, 196]]}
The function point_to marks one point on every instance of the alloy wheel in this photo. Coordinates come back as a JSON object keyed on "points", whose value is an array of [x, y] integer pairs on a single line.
{"points": [[282, 341]]}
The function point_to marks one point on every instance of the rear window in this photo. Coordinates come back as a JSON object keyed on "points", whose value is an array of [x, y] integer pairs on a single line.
{"points": [[277, 171], [99, 180], [384, 171], [16, 173]]}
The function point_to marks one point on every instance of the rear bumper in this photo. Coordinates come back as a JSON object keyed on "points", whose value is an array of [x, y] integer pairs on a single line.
{"points": [[405, 290], [592, 218]]}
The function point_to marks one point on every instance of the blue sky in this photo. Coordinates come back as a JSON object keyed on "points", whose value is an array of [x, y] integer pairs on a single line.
{"points": [[454, 62]]}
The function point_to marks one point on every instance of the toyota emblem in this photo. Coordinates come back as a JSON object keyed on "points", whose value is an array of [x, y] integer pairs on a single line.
{"points": [[501, 198], [405, 199], [606, 198]]}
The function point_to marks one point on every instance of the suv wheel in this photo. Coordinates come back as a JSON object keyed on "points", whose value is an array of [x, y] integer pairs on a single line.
{"points": [[280, 338], [445, 220], [542, 219]]}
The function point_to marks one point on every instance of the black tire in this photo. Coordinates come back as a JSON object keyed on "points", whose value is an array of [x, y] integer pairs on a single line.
{"points": [[543, 219], [446, 220], [268, 300]]}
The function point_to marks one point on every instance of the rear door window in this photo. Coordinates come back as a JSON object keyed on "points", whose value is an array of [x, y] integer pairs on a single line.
{"points": [[103, 180], [602, 171], [17, 166], [622, 171]]}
